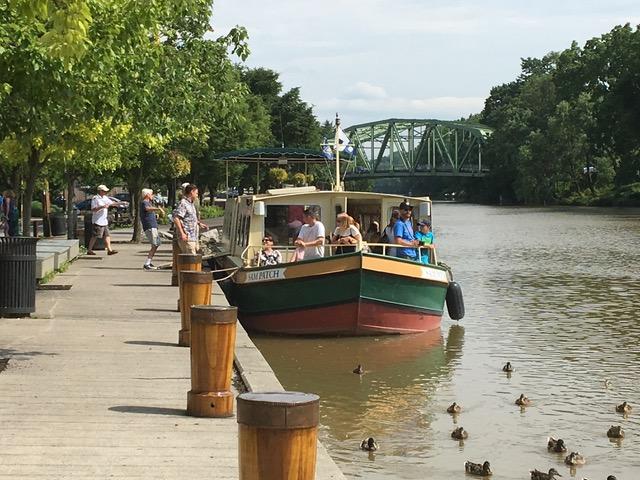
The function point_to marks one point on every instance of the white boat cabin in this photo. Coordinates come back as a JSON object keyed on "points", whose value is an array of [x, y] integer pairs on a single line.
{"points": [[279, 213]]}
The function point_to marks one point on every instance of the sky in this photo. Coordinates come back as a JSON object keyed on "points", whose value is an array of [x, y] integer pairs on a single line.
{"points": [[371, 60]]}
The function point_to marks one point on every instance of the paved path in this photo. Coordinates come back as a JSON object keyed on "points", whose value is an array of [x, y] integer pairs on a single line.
{"points": [[98, 389]]}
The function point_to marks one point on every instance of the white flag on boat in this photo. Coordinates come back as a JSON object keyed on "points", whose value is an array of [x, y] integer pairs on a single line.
{"points": [[344, 144]]}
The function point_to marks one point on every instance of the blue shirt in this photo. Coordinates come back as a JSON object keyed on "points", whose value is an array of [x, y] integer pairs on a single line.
{"points": [[404, 230], [148, 218]]}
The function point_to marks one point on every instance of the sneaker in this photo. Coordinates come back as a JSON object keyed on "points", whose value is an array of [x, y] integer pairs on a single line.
{"points": [[112, 252], [91, 252], [148, 267]]}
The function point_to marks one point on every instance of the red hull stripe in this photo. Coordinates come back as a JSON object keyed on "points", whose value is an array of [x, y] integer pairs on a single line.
{"points": [[354, 318]]}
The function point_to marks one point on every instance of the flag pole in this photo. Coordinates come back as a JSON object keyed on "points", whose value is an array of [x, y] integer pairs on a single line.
{"points": [[336, 143]]}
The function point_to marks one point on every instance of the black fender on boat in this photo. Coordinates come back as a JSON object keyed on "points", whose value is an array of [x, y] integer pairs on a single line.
{"points": [[455, 302]]}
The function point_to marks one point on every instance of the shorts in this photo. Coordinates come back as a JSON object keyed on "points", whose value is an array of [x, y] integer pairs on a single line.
{"points": [[188, 246], [101, 231], [153, 237]]}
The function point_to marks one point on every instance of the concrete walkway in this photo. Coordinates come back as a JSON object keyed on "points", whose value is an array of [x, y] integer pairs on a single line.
{"points": [[96, 385]]}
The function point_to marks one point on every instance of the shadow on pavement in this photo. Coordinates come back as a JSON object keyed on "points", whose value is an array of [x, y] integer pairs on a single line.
{"points": [[148, 410], [140, 285], [157, 344]]}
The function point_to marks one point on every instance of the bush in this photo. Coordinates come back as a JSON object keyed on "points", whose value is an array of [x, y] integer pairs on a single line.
{"points": [[36, 208], [211, 211]]}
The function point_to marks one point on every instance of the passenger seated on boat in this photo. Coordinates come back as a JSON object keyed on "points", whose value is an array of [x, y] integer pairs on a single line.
{"points": [[387, 234], [425, 237], [310, 241], [268, 256], [403, 234], [346, 233]]}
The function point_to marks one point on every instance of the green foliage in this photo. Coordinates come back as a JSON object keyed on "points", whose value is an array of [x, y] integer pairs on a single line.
{"points": [[564, 115], [211, 211], [277, 176], [299, 179]]}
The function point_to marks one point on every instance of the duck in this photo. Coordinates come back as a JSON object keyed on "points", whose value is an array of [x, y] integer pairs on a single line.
{"points": [[454, 408], [358, 370], [615, 432], [459, 434], [479, 469], [369, 444], [507, 367], [575, 458], [538, 475], [554, 445], [523, 401], [624, 407]]}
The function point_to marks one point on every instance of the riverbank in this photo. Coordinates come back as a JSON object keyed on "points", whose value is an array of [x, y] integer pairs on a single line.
{"points": [[96, 385]]}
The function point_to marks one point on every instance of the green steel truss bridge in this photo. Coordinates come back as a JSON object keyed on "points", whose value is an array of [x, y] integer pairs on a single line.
{"points": [[413, 148]]}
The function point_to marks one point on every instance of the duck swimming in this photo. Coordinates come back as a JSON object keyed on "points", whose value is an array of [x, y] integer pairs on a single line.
{"points": [[538, 475], [523, 401], [369, 444], [624, 407], [358, 370], [575, 458], [480, 469], [554, 445], [454, 408], [459, 434], [615, 432], [508, 367]]}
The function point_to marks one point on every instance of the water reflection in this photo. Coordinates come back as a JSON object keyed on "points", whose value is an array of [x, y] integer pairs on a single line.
{"points": [[553, 291]]}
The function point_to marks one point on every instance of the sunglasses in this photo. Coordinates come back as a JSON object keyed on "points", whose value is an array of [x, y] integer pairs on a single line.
{"points": [[266, 240]]}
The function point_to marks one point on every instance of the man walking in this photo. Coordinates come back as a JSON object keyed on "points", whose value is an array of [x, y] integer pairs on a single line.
{"points": [[100, 204], [150, 225], [185, 219]]}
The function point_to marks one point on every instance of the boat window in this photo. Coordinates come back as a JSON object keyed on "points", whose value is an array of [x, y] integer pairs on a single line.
{"points": [[242, 224], [283, 222]]}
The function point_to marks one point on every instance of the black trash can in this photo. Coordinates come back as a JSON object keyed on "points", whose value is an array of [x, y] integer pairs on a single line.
{"points": [[58, 224], [17, 275]]}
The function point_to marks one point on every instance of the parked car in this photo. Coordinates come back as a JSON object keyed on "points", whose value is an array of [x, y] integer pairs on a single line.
{"points": [[123, 196]]}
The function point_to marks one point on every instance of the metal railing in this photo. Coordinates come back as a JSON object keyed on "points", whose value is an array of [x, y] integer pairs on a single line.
{"points": [[250, 255]]}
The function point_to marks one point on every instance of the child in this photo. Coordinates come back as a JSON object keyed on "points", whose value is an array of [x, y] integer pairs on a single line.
{"points": [[425, 237]]}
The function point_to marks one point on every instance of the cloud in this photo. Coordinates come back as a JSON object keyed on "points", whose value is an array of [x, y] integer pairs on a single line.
{"points": [[363, 99]]}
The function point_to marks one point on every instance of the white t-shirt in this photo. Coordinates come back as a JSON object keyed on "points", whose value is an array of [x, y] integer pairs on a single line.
{"points": [[351, 231], [311, 234], [101, 216]]}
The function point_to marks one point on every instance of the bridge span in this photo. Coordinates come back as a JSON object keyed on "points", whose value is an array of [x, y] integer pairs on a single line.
{"points": [[417, 148]]}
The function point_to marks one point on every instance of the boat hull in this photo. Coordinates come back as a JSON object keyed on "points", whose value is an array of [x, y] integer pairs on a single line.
{"points": [[353, 294]]}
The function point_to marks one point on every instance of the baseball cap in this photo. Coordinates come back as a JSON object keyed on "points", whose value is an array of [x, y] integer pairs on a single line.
{"points": [[103, 188], [184, 185], [424, 222], [405, 206]]}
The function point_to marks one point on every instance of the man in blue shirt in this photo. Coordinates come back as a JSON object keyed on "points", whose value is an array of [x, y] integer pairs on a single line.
{"points": [[403, 233]]}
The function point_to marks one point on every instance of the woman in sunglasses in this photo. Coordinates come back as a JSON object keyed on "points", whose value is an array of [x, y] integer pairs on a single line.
{"points": [[268, 256]]}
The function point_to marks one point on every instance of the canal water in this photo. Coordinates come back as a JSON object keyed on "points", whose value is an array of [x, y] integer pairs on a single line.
{"points": [[554, 291]]}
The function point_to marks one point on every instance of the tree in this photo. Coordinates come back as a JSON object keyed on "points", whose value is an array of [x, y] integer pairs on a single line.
{"points": [[277, 176]]}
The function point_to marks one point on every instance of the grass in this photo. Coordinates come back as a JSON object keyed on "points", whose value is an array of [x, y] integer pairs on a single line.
{"points": [[51, 275]]}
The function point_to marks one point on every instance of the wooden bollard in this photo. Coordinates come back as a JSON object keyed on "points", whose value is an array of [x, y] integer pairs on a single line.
{"points": [[277, 435], [175, 251], [195, 289], [213, 339], [187, 262]]}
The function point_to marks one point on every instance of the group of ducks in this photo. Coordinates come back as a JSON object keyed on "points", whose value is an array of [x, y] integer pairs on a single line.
{"points": [[553, 445]]}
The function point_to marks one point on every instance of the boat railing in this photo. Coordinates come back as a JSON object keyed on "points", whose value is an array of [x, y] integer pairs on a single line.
{"points": [[251, 253]]}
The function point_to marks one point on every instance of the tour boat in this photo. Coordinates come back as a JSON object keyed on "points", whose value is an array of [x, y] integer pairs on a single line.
{"points": [[357, 293]]}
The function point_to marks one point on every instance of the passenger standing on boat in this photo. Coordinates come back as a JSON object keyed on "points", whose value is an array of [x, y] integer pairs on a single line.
{"points": [[425, 237], [311, 236], [346, 233], [185, 218], [387, 235], [372, 235], [403, 233], [268, 256]]}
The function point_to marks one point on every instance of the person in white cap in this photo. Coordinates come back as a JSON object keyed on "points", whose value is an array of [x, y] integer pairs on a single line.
{"points": [[100, 204]]}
